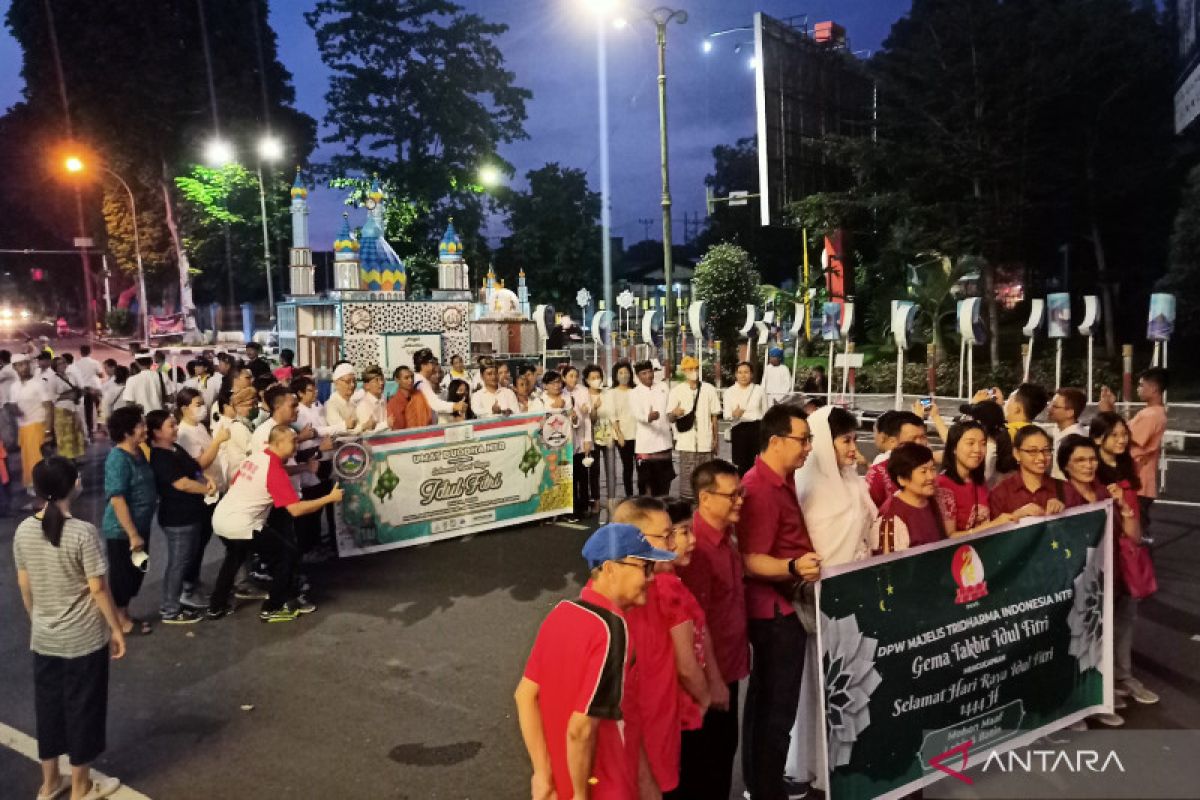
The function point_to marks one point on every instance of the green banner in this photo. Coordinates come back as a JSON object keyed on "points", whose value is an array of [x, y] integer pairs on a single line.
{"points": [[951, 651]]}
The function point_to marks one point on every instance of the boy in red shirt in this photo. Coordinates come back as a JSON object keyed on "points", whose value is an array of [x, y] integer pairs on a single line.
{"points": [[569, 701]]}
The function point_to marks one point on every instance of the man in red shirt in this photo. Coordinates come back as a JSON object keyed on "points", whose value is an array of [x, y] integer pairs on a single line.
{"points": [[776, 553], [652, 703], [715, 577], [569, 699]]}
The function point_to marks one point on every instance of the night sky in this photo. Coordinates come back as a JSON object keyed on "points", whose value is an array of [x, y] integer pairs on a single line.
{"points": [[551, 47]]}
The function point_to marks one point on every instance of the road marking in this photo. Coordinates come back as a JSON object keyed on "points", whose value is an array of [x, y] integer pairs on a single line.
{"points": [[26, 745]]}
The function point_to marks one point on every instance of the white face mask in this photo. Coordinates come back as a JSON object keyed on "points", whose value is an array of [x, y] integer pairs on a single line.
{"points": [[623, 379], [595, 383], [692, 375]]}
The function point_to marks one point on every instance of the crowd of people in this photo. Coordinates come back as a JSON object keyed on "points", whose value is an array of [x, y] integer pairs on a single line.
{"points": [[631, 690], [683, 590]]}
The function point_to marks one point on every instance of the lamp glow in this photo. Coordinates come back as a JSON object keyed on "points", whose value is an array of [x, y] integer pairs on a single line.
{"points": [[73, 164], [270, 148], [218, 153], [489, 175], [707, 46]]}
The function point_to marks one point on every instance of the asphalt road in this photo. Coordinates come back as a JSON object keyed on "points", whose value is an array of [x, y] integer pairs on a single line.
{"points": [[400, 686]]}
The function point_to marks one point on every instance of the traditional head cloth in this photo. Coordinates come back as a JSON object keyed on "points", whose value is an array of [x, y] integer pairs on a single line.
{"points": [[838, 511], [775, 352]]}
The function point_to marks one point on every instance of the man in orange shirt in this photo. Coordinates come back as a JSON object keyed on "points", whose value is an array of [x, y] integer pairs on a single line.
{"points": [[1146, 431]]}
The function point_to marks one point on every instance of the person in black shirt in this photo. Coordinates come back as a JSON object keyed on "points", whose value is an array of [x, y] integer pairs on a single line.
{"points": [[182, 488]]}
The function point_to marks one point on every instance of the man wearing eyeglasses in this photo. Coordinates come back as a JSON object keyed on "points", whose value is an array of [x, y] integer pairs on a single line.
{"points": [[1065, 409], [777, 553], [714, 576], [569, 701]]}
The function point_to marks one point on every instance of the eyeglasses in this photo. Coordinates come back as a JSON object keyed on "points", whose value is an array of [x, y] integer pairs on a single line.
{"points": [[1045, 452], [668, 538], [1085, 460], [647, 567], [738, 494], [801, 439]]}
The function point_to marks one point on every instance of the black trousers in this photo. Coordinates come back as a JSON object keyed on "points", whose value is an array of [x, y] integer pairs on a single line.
{"points": [[236, 552], [585, 483], [706, 757], [777, 646], [743, 440], [124, 578], [70, 698], [308, 527], [1144, 505], [655, 476], [628, 460], [191, 578]]}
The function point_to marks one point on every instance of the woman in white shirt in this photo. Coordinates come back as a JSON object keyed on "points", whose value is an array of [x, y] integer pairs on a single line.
{"points": [[241, 432], [624, 425], [744, 402]]}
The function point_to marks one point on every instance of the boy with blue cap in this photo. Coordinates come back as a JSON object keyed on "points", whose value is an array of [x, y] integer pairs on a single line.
{"points": [[569, 699], [777, 378]]}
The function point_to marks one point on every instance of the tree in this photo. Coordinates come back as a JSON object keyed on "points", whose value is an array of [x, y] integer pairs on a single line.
{"points": [[775, 249], [726, 280], [1183, 277], [419, 97], [137, 85], [555, 235]]}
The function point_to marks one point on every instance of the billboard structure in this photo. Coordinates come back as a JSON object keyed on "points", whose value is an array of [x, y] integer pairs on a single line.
{"points": [[808, 86], [1187, 88]]}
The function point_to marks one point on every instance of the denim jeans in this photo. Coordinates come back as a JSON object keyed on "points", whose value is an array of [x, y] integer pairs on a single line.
{"points": [[777, 646], [181, 552]]}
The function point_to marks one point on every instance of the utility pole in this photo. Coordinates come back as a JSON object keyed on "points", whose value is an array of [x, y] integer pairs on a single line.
{"points": [[645, 223]]}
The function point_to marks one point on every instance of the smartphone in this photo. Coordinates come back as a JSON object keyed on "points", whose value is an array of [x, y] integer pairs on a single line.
{"points": [[927, 401]]}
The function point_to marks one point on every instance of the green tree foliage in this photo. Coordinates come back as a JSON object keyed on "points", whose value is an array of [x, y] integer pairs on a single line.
{"points": [[420, 97], [726, 281], [1183, 277], [555, 235], [138, 90], [1007, 129], [775, 249]]}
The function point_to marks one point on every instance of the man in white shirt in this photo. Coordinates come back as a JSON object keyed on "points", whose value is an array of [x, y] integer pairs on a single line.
{"points": [[652, 444], [35, 416], [426, 364], [777, 378], [699, 443], [1064, 411], [8, 377], [371, 409], [492, 399], [147, 388], [87, 374], [204, 382]]}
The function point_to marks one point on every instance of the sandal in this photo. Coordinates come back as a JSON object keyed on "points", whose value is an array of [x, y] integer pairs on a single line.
{"points": [[64, 786], [139, 627]]}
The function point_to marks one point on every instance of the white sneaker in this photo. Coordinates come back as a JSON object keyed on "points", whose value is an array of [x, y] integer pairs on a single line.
{"points": [[1110, 720], [102, 788], [1079, 726], [1134, 688]]}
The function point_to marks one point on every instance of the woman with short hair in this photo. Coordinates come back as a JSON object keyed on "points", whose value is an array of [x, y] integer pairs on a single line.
{"points": [[74, 631], [1030, 485], [131, 499]]}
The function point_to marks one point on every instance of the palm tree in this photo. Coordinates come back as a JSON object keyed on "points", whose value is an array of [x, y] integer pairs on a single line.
{"points": [[933, 288]]}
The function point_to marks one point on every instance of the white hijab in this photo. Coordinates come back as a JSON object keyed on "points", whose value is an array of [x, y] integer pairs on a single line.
{"points": [[838, 510]]}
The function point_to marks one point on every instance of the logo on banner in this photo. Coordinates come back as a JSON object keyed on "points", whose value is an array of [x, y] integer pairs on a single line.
{"points": [[556, 429], [967, 569], [351, 462]]}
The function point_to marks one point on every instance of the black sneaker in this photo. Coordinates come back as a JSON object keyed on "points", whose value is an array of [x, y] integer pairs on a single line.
{"points": [[795, 789], [301, 605], [284, 613], [217, 613], [248, 592], [185, 616]]}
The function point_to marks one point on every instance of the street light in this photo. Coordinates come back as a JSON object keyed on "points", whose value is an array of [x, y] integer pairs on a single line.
{"points": [[490, 175], [270, 149], [218, 153], [76, 165]]}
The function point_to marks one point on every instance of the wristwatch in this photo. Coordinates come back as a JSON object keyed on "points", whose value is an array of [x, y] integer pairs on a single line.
{"points": [[792, 568]]}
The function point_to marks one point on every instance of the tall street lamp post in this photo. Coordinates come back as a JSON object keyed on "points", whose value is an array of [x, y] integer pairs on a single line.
{"points": [[270, 149], [662, 17], [75, 165]]}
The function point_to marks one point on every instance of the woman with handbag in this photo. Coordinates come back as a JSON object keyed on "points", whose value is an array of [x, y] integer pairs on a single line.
{"points": [[1079, 460], [1135, 569]]}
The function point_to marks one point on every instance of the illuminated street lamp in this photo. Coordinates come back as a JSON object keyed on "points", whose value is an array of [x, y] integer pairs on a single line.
{"points": [[490, 175], [219, 153], [75, 165]]}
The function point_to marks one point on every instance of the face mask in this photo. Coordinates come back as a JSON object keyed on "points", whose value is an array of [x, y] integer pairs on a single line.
{"points": [[623, 379], [596, 383], [692, 375]]}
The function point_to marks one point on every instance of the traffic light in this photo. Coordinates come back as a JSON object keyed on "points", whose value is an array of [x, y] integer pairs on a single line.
{"points": [[37, 273]]}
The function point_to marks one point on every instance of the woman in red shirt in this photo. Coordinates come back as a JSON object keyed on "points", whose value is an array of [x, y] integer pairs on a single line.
{"points": [[962, 488], [1111, 434], [910, 517], [1029, 489]]}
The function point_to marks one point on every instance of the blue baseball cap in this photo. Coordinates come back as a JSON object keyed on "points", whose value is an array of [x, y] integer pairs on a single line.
{"points": [[616, 541], [775, 352]]}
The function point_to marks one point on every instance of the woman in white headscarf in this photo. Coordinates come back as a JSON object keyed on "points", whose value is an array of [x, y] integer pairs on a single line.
{"points": [[838, 512]]}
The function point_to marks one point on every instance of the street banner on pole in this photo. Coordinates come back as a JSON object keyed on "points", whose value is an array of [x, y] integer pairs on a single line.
{"points": [[933, 658], [409, 487]]}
